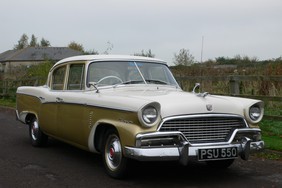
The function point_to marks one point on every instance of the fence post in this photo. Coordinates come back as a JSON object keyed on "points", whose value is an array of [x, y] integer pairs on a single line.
{"points": [[5, 89], [234, 85]]}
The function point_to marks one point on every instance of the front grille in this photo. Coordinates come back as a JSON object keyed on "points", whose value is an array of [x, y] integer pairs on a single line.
{"points": [[204, 129]]}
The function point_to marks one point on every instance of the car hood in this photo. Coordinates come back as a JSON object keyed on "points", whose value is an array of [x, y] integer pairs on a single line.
{"points": [[177, 102]]}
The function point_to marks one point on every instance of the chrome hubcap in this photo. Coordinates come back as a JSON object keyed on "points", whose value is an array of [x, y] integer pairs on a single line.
{"points": [[113, 152], [34, 130]]}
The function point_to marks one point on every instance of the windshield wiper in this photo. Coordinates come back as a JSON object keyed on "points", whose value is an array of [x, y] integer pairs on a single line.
{"points": [[148, 81], [157, 82], [129, 82], [133, 82]]}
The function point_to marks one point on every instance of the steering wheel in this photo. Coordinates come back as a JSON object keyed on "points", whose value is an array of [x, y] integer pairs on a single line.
{"points": [[108, 77]]}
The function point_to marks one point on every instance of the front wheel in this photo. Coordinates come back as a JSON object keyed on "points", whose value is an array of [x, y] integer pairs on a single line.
{"points": [[37, 137], [114, 162]]}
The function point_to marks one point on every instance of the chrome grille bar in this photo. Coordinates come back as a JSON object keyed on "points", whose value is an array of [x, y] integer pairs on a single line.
{"points": [[204, 128]]}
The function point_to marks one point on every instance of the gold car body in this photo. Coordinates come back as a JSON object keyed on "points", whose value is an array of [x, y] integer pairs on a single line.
{"points": [[77, 113]]}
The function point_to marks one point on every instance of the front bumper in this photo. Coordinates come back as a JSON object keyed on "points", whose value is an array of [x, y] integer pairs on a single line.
{"points": [[183, 151]]}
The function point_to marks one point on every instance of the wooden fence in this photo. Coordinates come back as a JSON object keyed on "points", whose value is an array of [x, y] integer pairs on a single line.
{"points": [[8, 87], [242, 86], [266, 88]]}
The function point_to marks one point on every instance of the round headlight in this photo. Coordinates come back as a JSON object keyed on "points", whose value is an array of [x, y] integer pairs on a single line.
{"points": [[150, 115], [255, 112]]}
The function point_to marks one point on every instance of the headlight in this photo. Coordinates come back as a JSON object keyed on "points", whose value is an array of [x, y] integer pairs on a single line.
{"points": [[255, 112], [149, 115]]}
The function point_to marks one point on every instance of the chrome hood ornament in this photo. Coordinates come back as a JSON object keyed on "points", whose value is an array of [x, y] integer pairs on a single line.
{"points": [[197, 85]]}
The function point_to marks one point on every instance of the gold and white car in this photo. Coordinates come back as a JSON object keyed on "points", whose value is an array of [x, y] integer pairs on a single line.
{"points": [[128, 107]]}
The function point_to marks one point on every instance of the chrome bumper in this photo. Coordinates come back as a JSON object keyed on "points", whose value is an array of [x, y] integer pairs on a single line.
{"points": [[186, 151]]}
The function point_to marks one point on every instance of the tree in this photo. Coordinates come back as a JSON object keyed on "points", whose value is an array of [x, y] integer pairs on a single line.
{"points": [[110, 46], [44, 43], [22, 43], [40, 70], [91, 52], [75, 46], [33, 41], [145, 54], [221, 60], [237, 59], [184, 58]]}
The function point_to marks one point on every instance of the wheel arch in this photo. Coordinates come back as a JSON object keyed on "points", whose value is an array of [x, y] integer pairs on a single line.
{"points": [[26, 116], [29, 117], [96, 136]]}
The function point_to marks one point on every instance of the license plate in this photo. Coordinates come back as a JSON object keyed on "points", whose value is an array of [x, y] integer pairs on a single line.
{"points": [[217, 153]]}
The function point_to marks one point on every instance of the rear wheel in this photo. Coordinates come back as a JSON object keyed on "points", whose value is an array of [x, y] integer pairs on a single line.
{"points": [[114, 162], [220, 164], [37, 137]]}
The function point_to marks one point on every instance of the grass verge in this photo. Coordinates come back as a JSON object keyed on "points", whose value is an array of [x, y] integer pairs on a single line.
{"points": [[272, 131], [8, 102]]}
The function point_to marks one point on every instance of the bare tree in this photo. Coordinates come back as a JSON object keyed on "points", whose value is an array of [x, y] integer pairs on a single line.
{"points": [[145, 54], [110, 46], [184, 57]]}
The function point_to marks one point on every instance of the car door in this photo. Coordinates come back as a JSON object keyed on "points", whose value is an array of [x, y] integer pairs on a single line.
{"points": [[71, 118], [50, 101]]}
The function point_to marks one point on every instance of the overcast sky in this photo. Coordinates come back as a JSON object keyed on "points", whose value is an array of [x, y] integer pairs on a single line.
{"points": [[226, 27]]}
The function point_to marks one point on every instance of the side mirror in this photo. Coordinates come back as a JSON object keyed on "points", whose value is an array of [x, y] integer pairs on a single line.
{"points": [[93, 85]]}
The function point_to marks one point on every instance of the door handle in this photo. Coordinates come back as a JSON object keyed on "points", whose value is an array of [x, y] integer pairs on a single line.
{"points": [[41, 99], [59, 99]]}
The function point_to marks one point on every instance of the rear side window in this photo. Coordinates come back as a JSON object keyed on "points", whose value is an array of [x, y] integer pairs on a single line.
{"points": [[76, 77], [58, 78]]}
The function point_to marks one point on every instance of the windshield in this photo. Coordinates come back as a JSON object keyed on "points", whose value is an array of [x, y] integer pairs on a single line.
{"points": [[121, 72]]}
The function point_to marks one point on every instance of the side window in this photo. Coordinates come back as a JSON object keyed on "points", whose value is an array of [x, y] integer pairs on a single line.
{"points": [[76, 77], [58, 78]]}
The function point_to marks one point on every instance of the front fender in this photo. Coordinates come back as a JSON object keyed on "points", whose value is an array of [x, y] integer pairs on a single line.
{"points": [[127, 132]]}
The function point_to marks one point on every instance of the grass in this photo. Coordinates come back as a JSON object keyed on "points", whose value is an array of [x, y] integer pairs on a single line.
{"points": [[269, 154], [8, 102], [272, 134], [271, 128], [273, 142]]}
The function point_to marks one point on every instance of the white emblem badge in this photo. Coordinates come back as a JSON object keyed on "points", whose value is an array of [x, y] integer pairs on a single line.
{"points": [[209, 107]]}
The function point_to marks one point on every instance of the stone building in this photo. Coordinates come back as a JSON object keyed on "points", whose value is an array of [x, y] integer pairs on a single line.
{"points": [[15, 59]]}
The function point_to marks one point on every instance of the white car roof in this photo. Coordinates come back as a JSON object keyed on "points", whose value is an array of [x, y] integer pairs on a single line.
{"points": [[109, 58]]}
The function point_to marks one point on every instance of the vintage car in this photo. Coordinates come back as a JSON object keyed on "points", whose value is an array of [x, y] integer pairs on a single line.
{"points": [[131, 108]]}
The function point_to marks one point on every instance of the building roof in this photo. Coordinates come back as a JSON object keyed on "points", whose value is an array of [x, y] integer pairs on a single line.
{"points": [[38, 54]]}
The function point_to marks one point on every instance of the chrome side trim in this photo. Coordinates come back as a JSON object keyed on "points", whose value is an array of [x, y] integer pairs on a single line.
{"points": [[17, 115], [45, 101]]}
